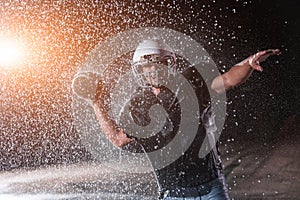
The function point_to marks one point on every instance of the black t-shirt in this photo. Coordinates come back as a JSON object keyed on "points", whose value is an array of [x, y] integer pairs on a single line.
{"points": [[188, 169]]}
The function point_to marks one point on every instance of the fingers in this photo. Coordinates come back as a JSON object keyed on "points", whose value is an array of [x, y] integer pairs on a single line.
{"points": [[265, 54], [253, 61], [272, 51], [257, 67], [261, 56], [268, 52]]}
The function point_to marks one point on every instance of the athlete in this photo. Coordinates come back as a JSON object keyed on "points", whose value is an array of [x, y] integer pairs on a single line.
{"points": [[154, 65]]}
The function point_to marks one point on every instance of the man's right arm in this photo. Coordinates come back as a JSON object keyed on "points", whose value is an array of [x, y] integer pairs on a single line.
{"points": [[109, 127]]}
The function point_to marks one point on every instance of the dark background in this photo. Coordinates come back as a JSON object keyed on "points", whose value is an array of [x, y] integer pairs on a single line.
{"points": [[36, 99]]}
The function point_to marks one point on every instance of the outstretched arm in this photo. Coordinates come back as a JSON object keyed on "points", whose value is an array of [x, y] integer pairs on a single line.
{"points": [[239, 73]]}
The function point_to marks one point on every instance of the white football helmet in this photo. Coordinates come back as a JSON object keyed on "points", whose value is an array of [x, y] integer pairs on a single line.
{"points": [[153, 63]]}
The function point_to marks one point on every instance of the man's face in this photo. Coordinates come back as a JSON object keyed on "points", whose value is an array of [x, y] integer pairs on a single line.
{"points": [[150, 74], [155, 74]]}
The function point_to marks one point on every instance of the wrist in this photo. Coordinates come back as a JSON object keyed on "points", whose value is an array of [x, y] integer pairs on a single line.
{"points": [[247, 64]]}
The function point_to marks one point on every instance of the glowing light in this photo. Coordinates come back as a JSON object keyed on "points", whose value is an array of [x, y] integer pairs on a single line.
{"points": [[11, 53]]}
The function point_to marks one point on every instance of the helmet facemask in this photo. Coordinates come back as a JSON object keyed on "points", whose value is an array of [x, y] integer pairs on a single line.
{"points": [[155, 69]]}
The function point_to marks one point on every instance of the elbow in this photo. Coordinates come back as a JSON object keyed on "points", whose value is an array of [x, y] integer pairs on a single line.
{"points": [[218, 90], [120, 144], [221, 84], [121, 140]]}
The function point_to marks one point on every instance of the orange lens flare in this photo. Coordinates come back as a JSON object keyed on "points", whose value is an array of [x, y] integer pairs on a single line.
{"points": [[11, 53]]}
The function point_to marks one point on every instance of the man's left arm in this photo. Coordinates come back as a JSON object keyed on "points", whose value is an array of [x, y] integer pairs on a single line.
{"points": [[239, 73]]}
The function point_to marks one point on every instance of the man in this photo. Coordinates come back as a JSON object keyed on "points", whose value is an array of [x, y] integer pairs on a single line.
{"points": [[154, 65]]}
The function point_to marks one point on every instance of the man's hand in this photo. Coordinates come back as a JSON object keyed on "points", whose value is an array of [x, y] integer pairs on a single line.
{"points": [[256, 59]]}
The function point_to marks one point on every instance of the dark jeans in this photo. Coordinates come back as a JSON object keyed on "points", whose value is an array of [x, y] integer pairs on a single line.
{"points": [[213, 190]]}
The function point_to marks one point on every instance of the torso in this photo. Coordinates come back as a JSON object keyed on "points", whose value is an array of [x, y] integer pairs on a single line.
{"points": [[188, 169]]}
